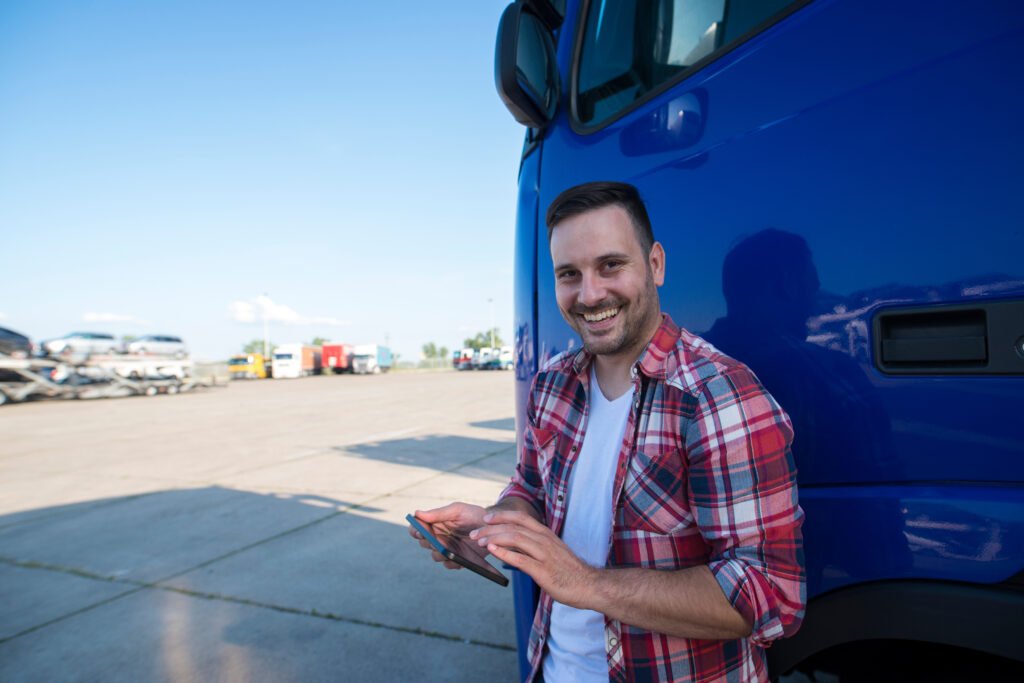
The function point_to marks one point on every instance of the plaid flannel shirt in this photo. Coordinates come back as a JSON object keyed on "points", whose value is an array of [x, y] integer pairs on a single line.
{"points": [[704, 476]]}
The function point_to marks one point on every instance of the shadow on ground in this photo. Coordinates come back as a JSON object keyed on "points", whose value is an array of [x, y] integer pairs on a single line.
{"points": [[507, 423], [435, 452], [220, 584]]}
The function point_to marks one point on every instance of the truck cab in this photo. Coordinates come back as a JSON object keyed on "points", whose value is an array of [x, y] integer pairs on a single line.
{"points": [[248, 366], [836, 184]]}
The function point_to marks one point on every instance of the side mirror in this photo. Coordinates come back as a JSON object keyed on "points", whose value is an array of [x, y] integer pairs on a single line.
{"points": [[525, 71]]}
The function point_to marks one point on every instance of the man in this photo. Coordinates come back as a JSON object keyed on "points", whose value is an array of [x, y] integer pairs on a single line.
{"points": [[654, 501]]}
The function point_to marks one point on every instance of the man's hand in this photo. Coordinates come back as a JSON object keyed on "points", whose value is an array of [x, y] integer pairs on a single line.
{"points": [[523, 542], [455, 518]]}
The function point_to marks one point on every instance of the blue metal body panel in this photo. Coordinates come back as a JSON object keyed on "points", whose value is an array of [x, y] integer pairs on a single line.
{"points": [[887, 137], [525, 325]]}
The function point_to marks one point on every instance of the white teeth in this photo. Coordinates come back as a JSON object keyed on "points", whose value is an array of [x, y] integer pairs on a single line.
{"points": [[597, 317]]}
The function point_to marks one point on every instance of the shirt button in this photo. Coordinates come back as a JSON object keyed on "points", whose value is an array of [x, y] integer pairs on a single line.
{"points": [[559, 496], [612, 641]]}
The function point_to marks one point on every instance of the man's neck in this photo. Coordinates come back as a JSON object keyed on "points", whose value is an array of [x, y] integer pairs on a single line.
{"points": [[613, 376], [613, 372]]}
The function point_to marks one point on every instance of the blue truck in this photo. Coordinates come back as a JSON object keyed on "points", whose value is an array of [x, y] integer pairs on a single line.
{"points": [[371, 359], [838, 185]]}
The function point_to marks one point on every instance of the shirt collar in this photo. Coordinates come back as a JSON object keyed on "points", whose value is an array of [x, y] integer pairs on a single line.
{"points": [[653, 361]]}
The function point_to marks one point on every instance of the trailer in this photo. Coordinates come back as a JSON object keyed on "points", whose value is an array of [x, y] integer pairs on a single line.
{"points": [[296, 360], [336, 358], [93, 377]]}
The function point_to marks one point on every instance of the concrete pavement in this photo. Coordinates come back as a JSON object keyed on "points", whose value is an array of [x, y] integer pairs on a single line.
{"points": [[251, 533]]}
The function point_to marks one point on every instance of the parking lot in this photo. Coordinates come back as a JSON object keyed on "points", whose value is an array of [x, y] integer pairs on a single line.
{"points": [[251, 533]]}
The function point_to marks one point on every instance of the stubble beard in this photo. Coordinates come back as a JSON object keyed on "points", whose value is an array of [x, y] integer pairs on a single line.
{"points": [[633, 334]]}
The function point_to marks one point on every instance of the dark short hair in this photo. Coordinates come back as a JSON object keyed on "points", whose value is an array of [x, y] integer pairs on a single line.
{"points": [[597, 195]]}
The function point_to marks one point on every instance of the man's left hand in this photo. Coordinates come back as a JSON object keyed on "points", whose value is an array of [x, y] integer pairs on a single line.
{"points": [[528, 545]]}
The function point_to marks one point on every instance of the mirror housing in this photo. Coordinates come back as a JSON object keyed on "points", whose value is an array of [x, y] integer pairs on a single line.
{"points": [[525, 70]]}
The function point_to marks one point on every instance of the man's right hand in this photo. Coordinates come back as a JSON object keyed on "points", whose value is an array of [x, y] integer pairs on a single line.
{"points": [[454, 518]]}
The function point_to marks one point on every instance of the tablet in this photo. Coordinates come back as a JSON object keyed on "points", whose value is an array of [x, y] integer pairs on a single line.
{"points": [[459, 549]]}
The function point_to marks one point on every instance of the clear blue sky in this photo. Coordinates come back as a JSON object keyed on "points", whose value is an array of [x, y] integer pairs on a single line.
{"points": [[163, 165]]}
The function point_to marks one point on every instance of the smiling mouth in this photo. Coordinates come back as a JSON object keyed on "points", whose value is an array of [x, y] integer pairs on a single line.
{"points": [[600, 315]]}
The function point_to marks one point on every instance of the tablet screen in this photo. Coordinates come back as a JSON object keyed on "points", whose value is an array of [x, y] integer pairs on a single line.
{"points": [[460, 549]]}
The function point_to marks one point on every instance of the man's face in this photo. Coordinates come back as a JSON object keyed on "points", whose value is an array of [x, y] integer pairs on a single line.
{"points": [[605, 286]]}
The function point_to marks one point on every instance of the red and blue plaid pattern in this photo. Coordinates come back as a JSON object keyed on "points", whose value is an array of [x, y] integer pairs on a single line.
{"points": [[705, 476]]}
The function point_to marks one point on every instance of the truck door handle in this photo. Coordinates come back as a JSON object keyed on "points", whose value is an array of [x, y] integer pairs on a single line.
{"points": [[980, 339]]}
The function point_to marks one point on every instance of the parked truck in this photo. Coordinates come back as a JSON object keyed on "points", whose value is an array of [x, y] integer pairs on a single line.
{"points": [[296, 360], [248, 366], [837, 186], [462, 359], [371, 359], [337, 358]]}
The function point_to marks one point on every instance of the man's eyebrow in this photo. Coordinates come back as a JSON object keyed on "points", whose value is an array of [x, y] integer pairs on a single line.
{"points": [[612, 255]]}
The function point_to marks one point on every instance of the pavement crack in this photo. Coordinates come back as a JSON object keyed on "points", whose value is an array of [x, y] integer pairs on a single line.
{"points": [[330, 616], [138, 586], [135, 587], [160, 584]]}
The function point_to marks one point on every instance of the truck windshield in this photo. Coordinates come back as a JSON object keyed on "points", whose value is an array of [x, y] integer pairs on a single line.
{"points": [[282, 356], [238, 361]]}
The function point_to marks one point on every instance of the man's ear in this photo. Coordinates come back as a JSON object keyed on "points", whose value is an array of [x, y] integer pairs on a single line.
{"points": [[656, 262]]}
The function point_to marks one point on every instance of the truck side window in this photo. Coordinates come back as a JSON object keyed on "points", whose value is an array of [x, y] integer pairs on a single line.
{"points": [[630, 48]]}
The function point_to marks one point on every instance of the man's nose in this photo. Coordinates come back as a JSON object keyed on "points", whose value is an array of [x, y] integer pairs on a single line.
{"points": [[592, 290]]}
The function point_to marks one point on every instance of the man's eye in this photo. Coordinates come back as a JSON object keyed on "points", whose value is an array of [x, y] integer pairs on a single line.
{"points": [[612, 265], [567, 275]]}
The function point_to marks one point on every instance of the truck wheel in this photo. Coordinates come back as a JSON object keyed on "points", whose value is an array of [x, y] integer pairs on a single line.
{"points": [[376, 370], [4, 398]]}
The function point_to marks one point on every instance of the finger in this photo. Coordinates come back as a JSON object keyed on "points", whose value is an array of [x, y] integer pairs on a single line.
{"points": [[484, 534], [523, 563], [441, 559], [520, 542], [514, 517], [415, 534], [491, 529], [442, 514]]}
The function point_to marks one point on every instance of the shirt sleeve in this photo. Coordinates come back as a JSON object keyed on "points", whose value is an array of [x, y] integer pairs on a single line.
{"points": [[744, 496], [526, 482]]}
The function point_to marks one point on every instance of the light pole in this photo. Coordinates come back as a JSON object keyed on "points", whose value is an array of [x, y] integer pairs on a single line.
{"points": [[266, 339], [491, 302]]}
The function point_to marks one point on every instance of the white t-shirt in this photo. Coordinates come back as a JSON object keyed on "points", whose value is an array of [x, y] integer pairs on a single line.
{"points": [[576, 640]]}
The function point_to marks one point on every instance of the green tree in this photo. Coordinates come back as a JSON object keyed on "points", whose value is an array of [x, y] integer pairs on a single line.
{"points": [[256, 346], [442, 353], [319, 341], [430, 350], [483, 339]]}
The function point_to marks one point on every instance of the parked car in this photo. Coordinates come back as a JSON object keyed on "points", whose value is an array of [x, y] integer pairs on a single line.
{"points": [[162, 344], [82, 342], [14, 344]]}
